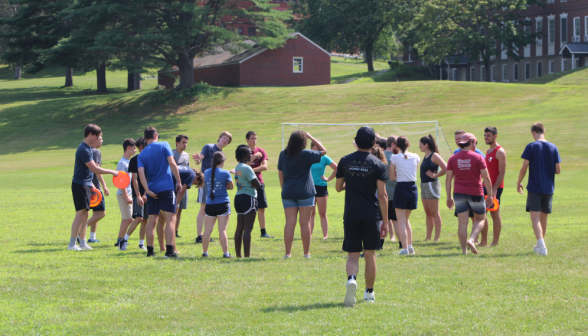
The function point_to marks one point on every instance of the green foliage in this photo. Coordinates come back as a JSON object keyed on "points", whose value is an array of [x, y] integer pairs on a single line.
{"points": [[194, 93]]}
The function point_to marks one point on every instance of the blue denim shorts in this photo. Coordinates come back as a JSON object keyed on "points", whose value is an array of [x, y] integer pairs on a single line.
{"points": [[298, 203]]}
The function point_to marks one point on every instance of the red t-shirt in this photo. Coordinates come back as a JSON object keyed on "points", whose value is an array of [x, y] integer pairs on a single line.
{"points": [[492, 164], [466, 166], [257, 162]]}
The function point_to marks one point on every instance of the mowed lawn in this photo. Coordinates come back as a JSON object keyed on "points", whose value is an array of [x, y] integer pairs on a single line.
{"points": [[503, 290]]}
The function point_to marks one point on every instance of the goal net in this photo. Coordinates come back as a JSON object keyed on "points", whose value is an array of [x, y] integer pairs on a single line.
{"points": [[338, 138]]}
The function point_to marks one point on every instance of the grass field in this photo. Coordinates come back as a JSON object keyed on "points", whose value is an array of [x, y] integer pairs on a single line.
{"points": [[502, 291]]}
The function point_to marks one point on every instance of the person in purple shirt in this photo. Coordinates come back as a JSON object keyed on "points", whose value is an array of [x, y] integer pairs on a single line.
{"points": [[542, 159]]}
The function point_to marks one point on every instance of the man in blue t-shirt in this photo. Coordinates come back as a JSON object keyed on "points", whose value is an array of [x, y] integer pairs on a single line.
{"points": [[458, 135], [156, 164], [542, 159], [205, 158], [81, 184]]}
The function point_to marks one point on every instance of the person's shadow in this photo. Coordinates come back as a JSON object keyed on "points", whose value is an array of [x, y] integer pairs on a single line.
{"points": [[293, 308]]}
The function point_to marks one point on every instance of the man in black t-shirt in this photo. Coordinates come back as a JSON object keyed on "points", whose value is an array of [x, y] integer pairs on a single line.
{"points": [[363, 177], [139, 198]]}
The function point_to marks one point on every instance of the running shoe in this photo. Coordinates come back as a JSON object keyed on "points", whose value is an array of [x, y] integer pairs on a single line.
{"points": [[178, 236], [411, 250], [93, 241], [403, 252], [286, 257], [74, 248], [117, 243], [123, 245], [86, 247], [205, 255], [306, 256], [198, 240], [541, 250], [369, 297], [350, 294], [228, 256], [152, 254], [143, 247], [265, 235], [172, 255]]}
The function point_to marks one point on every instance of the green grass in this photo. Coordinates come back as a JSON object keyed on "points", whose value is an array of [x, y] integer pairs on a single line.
{"points": [[502, 291], [570, 77]]}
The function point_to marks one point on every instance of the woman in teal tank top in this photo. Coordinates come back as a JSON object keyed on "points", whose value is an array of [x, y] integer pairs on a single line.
{"points": [[322, 194]]}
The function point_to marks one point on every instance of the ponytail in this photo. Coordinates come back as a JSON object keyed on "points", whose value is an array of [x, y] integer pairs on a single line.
{"points": [[217, 159], [430, 142], [402, 144]]}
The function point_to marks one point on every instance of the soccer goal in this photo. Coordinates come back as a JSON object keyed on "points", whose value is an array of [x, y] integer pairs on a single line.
{"points": [[338, 138]]}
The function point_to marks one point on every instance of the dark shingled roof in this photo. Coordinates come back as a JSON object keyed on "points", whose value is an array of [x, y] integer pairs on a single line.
{"points": [[576, 48]]}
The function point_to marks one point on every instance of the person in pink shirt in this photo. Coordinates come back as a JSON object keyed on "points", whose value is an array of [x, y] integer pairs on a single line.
{"points": [[468, 168]]}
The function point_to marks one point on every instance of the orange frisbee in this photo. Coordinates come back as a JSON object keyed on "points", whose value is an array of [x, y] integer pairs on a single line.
{"points": [[122, 180], [494, 206], [96, 198]]}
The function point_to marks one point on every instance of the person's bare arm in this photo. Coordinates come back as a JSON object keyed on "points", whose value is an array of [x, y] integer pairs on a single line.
{"points": [[340, 184], [198, 157], [392, 172], [448, 179], [334, 166], [99, 170], [255, 183], [438, 160], [557, 168], [230, 185], [254, 157], [501, 157], [181, 194], [383, 200], [487, 184], [319, 146], [522, 174], [262, 167], [281, 175], [175, 171], [144, 182]]}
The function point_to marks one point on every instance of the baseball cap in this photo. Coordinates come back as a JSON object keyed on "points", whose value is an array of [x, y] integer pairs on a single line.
{"points": [[365, 136], [467, 137]]}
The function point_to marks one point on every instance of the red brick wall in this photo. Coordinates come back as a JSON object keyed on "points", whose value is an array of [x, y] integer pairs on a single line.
{"points": [[275, 67], [227, 75]]}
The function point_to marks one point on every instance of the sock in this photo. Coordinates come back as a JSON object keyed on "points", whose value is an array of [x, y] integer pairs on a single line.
{"points": [[263, 231], [200, 236], [176, 233], [126, 237], [541, 243], [93, 235], [82, 242], [400, 244], [150, 250], [409, 247], [72, 242], [351, 277], [169, 249], [382, 241], [226, 254], [369, 290], [142, 242]]}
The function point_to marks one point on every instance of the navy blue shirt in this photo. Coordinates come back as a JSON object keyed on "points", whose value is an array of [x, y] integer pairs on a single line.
{"points": [[298, 182], [157, 171], [542, 157], [82, 174], [187, 175], [208, 151]]}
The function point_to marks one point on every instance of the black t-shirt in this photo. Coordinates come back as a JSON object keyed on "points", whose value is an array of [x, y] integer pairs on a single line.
{"points": [[361, 171], [134, 169]]}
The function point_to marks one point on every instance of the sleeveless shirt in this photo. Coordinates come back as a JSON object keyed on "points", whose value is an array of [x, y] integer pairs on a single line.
{"points": [[492, 164], [428, 165]]}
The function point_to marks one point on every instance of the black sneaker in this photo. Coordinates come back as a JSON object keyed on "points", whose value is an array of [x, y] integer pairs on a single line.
{"points": [[211, 240], [150, 254], [205, 255], [171, 255], [178, 236], [198, 240], [228, 256], [117, 243], [265, 235]]}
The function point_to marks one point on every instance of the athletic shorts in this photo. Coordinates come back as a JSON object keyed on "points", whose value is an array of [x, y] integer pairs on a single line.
{"points": [[184, 201], [431, 190], [81, 196], [321, 191], [391, 211], [261, 198], [137, 210], [244, 204], [215, 210], [465, 203], [165, 201], [406, 196], [498, 193], [294, 203], [101, 206], [202, 193], [360, 234], [126, 210], [539, 202]]}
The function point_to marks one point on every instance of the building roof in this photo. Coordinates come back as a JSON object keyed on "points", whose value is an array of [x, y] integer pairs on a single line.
{"points": [[575, 48], [459, 59]]}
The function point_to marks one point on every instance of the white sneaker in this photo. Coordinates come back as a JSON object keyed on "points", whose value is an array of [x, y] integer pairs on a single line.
{"points": [[86, 247], [369, 297], [411, 250], [541, 250], [536, 249], [403, 252], [286, 257], [306, 256], [123, 245], [350, 294], [74, 248]]}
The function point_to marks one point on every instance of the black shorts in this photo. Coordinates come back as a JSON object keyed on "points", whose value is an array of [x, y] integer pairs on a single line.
{"points": [[215, 210], [102, 205], [261, 198], [81, 196], [498, 193], [539, 202], [139, 211], [165, 201], [244, 204], [321, 191], [406, 196], [361, 234], [391, 211]]}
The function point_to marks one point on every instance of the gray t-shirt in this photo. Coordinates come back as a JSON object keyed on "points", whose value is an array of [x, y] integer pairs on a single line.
{"points": [[123, 165], [390, 185], [98, 160], [182, 159], [298, 183]]}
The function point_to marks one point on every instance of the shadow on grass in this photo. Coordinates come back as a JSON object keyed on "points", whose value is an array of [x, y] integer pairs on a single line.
{"points": [[293, 308]]}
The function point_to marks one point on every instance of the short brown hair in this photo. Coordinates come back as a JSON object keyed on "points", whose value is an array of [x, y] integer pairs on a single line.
{"points": [[92, 129], [459, 132], [229, 135], [128, 143], [538, 128], [149, 133], [491, 129], [180, 137], [141, 143]]}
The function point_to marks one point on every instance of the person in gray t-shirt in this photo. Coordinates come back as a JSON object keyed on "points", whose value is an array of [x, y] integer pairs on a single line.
{"points": [[182, 159], [98, 212]]}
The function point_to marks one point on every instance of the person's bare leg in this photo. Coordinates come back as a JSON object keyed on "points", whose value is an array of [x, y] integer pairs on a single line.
{"points": [[462, 230], [200, 219], [496, 227], [178, 219], [124, 226], [321, 203], [208, 227], [261, 218], [401, 229], [143, 228], [428, 220], [151, 223], [134, 225], [160, 232], [93, 221], [305, 235], [396, 227], [312, 215], [352, 265], [170, 227], [433, 206], [391, 229], [408, 228], [537, 225], [543, 217], [289, 228], [370, 268], [484, 233], [249, 221], [239, 234], [78, 226], [223, 221], [476, 228]]}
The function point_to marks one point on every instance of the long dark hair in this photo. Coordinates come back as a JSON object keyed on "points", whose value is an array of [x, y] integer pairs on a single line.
{"points": [[378, 152], [402, 143], [296, 143], [217, 159], [430, 142], [241, 152]]}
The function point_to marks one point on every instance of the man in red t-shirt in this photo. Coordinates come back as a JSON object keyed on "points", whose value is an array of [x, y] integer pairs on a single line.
{"points": [[467, 167], [496, 164], [259, 164]]}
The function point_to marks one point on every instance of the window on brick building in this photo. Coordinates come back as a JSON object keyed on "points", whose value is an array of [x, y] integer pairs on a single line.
{"points": [[240, 30], [564, 29], [539, 69], [551, 28], [482, 74], [251, 31], [298, 63], [515, 72]]}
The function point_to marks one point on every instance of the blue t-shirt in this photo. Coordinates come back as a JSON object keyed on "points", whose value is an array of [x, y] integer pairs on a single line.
{"points": [[542, 157], [82, 174], [154, 159], [187, 175], [208, 151], [477, 151], [298, 183], [318, 169], [221, 177]]}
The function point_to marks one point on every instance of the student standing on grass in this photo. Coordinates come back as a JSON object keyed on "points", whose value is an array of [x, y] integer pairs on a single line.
{"points": [[205, 158], [156, 164], [468, 168], [496, 163], [98, 212], [298, 187], [361, 175], [430, 185], [259, 164], [124, 196], [322, 193], [403, 170], [188, 176], [81, 185], [182, 159], [391, 149], [245, 200], [218, 204], [139, 198], [542, 159]]}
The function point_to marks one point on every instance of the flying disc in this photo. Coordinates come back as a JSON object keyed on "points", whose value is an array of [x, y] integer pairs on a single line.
{"points": [[494, 206], [122, 180], [96, 198]]}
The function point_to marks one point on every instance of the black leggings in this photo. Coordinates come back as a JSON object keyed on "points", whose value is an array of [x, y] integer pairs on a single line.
{"points": [[243, 232]]}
